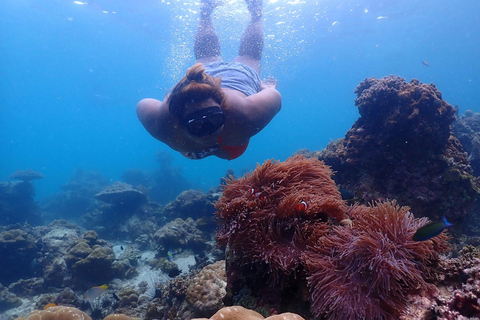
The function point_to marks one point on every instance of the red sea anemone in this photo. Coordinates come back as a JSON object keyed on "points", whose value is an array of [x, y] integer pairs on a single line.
{"points": [[281, 223], [366, 271], [271, 214]]}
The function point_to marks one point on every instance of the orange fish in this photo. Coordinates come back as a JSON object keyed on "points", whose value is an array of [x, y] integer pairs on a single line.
{"points": [[49, 306], [301, 207]]}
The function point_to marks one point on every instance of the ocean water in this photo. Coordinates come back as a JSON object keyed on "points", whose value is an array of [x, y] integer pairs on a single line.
{"points": [[72, 73]]}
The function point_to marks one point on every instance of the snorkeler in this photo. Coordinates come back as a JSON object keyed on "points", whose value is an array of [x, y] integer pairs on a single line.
{"points": [[218, 106]]}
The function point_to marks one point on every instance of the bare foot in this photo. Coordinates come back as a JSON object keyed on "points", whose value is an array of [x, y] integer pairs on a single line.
{"points": [[207, 6], [255, 7]]}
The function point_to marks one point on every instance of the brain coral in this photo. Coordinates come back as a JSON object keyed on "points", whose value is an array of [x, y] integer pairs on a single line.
{"points": [[271, 214], [240, 313], [68, 313], [58, 313], [207, 289]]}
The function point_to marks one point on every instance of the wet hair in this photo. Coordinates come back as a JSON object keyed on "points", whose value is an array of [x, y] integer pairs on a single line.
{"points": [[195, 86]]}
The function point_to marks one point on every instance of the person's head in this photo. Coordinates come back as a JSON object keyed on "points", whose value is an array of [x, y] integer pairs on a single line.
{"points": [[197, 100]]}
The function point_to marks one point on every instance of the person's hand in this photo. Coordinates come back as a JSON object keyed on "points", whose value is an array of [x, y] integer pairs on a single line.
{"points": [[269, 82]]}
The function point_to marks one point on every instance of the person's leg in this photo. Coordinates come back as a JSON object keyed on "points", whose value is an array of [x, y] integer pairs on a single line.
{"points": [[251, 43], [207, 43]]}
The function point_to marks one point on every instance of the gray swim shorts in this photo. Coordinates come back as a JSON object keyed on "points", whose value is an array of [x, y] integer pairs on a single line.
{"points": [[236, 76]]}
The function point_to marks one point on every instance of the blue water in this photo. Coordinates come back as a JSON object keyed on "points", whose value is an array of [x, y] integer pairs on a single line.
{"points": [[72, 73]]}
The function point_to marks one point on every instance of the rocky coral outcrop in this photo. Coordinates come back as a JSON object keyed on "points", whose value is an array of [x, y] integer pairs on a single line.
{"points": [[121, 213], [467, 129], [121, 194], [402, 148]]}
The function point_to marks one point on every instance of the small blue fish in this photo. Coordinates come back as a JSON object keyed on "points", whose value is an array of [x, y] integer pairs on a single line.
{"points": [[425, 63], [431, 230], [94, 292], [170, 255]]}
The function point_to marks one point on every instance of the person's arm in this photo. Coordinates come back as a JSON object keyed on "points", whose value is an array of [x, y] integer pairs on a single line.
{"points": [[254, 112]]}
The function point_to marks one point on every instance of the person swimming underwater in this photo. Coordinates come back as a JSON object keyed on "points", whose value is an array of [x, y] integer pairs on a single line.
{"points": [[217, 106]]}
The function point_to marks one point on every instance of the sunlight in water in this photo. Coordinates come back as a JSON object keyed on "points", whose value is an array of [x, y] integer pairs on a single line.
{"points": [[284, 25]]}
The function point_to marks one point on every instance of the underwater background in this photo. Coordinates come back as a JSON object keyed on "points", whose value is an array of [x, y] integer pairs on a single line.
{"points": [[97, 217], [72, 73]]}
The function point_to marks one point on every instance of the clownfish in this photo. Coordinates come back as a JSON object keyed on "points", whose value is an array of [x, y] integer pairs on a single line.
{"points": [[301, 207], [257, 194]]}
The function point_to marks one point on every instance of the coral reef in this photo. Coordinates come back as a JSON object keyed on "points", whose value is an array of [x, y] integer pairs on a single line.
{"points": [[402, 148], [190, 204], [7, 299], [281, 226], [122, 214], [90, 260], [27, 287], [467, 129], [171, 304], [180, 234], [207, 289], [459, 285], [17, 251]]}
